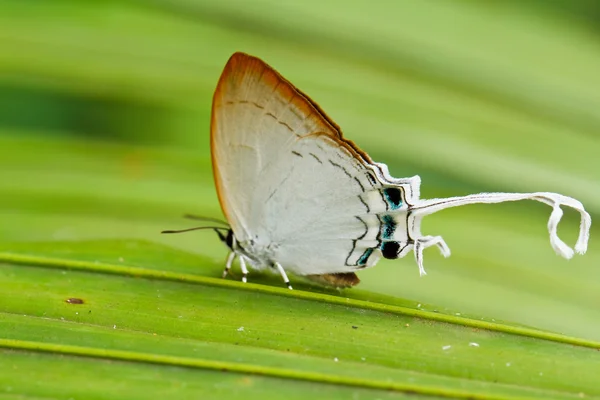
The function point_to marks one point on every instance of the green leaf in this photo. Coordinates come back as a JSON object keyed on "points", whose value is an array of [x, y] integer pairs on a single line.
{"points": [[162, 316]]}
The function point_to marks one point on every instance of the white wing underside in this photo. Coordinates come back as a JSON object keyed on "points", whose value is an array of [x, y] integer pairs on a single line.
{"points": [[280, 172]]}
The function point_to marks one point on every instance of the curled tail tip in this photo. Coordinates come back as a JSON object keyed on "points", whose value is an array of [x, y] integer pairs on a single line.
{"points": [[581, 248], [566, 254]]}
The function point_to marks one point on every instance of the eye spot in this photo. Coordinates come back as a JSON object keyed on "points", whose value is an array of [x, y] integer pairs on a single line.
{"points": [[392, 197], [390, 250], [388, 227], [363, 259]]}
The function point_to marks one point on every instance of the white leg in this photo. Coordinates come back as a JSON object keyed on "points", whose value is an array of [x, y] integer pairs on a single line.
{"points": [[230, 258], [427, 241], [244, 269], [283, 275]]}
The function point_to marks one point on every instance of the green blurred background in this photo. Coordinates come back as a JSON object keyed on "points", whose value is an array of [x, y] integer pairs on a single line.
{"points": [[104, 127]]}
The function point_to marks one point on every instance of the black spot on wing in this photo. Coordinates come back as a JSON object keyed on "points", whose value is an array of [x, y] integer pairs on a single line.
{"points": [[390, 249], [392, 197]]}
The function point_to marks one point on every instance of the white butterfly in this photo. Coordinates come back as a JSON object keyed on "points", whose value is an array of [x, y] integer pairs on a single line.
{"points": [[300, 198]]}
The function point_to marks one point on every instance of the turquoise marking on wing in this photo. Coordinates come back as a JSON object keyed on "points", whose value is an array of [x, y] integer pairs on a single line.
{"points": [[388, 226], [393, 198], [363, 259]]}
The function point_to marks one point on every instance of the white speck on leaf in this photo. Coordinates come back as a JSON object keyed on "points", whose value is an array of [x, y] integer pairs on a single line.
{"points": [[508, 364], [473, 344], [335, 359], [114, 326], [240, 329], [446, 347]]}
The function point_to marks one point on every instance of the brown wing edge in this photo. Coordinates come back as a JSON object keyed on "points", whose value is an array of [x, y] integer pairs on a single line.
{"points": [[237, 62], [240, 61], [339, 280]]}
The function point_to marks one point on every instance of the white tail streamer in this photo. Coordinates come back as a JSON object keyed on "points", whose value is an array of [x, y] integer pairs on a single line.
{"points": [[425, 207]]}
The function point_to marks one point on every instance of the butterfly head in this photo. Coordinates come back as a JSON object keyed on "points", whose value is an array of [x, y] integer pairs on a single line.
{"points": [[226, 237]]}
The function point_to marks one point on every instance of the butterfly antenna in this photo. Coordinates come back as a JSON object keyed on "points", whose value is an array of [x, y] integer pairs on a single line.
{"points": [[206, 219], [215, 228]]}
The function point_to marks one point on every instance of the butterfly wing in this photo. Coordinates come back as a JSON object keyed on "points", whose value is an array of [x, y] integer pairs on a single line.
{"points": [[293, 190]]}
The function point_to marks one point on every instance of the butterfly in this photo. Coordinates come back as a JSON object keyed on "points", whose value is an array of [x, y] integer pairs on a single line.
{"points": [[300, 198]]}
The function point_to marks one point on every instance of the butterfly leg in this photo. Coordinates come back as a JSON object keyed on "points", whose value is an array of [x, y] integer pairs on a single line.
{"points": [[283, 275], [244, 269], [230, 259], [427, 241]]}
